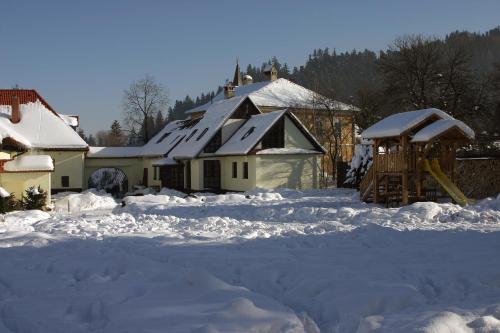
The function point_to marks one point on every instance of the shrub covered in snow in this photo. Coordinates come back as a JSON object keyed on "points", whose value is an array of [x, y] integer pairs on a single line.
{"points": [[34, 198], [8, 202], [361, 162]]}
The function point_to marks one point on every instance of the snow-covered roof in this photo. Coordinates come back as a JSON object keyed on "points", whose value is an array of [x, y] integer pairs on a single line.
{"points": [[287, 151], [399, 123], [113, 152], [197, 137], [39, 128], [165, 161], [166, 139], [440, 126], [280, 93], [69, 119], [248, 135], [30, 163]]}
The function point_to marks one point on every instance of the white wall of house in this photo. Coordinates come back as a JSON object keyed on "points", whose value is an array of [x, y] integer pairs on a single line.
{"points": [[153, 177], [289, 171], [66, 163], [230, 126], [18, 182], [239, 183], [294, 137]]}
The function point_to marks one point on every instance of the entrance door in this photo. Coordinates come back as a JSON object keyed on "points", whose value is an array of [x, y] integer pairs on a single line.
{"points": [[145, 177], [211, 175], [172, 176]]}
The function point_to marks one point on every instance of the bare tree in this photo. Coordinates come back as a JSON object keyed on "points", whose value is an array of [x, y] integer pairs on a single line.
{"points": [[141, 102], [332, 125]]}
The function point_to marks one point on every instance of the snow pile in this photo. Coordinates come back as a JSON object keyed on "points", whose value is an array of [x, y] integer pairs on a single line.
{"points": [[87, 200], [260, 261]]}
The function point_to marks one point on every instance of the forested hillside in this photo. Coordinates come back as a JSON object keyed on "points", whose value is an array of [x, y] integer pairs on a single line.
{"points": [[459, 74]]}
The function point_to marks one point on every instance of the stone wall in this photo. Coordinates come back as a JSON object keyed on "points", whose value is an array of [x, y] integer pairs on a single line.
{"points": [[478, 178]]}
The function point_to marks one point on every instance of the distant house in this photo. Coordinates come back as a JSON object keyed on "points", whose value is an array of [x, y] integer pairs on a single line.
{"points": [[31, 134], [232, 146], [316, 112]]}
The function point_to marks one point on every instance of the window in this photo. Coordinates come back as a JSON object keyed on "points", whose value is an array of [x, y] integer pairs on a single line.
{"points": [[202, 134], [65, 181], [235, 169], [174, 139], [275, 137], [155, 172], [214, 143], [250, 131], [245, 170], [163, 137], [191, 135]]}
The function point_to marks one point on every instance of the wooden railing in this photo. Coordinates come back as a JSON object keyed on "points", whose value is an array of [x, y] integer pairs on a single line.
{"points": [[366, 181], [394, 162]]}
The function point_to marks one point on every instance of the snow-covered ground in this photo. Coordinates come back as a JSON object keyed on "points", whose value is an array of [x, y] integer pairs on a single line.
{"points": [[283, 261]]}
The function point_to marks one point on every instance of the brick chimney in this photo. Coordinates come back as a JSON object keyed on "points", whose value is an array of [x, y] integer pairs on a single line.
{"points": [[16, 113]]}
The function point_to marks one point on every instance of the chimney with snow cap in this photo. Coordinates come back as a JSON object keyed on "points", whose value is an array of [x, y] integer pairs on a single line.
{"points": [[15, 112], [228, 90]]}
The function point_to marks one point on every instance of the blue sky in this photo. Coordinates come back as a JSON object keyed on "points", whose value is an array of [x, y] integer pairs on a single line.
{"points": [[81, 55]]}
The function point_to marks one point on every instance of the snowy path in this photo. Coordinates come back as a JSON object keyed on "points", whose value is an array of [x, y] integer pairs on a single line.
{"points": [[274, 262]]}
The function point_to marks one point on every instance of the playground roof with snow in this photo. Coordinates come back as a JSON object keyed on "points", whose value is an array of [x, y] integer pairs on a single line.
{"points": [[428, 123]]}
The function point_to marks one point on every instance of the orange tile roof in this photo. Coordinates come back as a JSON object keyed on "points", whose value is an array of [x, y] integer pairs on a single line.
{"points": [[25, 96]]}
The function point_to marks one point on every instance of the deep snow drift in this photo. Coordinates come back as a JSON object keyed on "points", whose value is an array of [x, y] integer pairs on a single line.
{"points": [[263, 261]]}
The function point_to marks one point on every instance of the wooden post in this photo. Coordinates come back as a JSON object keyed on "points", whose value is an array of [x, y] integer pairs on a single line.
{"points": [[376, 198], [419, 155], [404, 141]]}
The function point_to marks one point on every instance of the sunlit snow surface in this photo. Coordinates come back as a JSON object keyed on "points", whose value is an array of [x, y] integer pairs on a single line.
{"points": [[283, 261]]}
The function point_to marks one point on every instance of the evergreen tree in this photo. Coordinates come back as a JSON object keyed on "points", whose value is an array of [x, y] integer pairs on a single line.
{"points": [[34, 198], [159, 122], [91, 140]]}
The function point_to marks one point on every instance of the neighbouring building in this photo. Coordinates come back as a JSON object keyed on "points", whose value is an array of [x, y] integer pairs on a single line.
{"points": [[31, 135], [322, 116]]}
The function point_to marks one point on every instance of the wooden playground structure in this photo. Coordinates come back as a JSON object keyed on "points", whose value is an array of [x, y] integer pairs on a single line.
{"points": [[414, 158]]}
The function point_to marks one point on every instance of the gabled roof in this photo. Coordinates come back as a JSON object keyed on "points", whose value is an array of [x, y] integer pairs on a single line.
{"points": [[280, 93], [39, 128], [442, 126], [248, 135], [24, 96], [198, 136], [398, 123]]}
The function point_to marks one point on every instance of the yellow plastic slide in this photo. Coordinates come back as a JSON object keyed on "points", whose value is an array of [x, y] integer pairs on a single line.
{"points": [[435, 170]]}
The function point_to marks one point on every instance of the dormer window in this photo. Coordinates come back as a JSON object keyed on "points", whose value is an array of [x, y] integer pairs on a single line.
{"points": [[163, 137], [202, 134], [174, 139], [191, 135], [250, 131]]}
